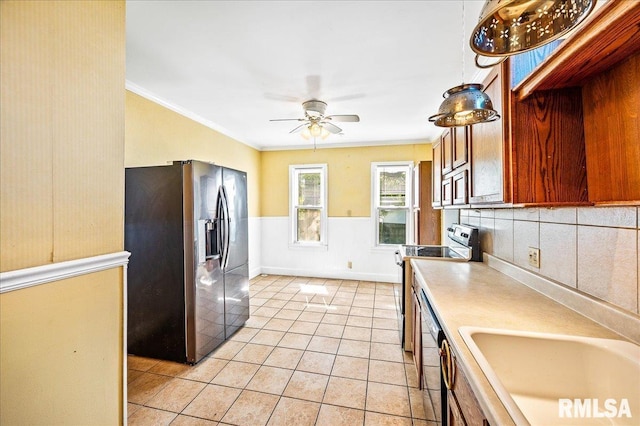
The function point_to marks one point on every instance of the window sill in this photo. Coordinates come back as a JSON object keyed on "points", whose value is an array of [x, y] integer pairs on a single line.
{"points": [[386, 248], [309, 246]]}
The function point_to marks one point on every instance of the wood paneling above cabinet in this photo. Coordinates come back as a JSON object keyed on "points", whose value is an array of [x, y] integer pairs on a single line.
{"points": [[612, 133], [548, 148]]}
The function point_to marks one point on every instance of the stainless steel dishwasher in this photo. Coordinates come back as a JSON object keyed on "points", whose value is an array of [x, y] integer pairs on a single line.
{"points": [[434, 391]]}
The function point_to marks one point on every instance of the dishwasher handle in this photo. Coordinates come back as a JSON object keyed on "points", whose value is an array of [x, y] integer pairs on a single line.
{"points": [[399, 260]]}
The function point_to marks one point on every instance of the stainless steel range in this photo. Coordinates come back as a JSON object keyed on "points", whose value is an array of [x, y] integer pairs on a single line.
{"points": [[426, 333], [465, 246]]}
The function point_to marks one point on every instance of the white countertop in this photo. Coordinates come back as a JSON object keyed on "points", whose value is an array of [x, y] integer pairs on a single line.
{"points": [[474, 294]]}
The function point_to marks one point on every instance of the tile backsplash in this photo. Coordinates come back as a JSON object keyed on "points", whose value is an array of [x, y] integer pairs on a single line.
{"points": [[592, 249]]}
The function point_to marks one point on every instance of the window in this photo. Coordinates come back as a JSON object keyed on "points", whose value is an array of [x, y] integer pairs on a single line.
{"points": [[308, 203], [391, 190]]}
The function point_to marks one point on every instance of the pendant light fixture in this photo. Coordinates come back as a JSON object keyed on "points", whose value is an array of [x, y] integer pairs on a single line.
{"points": [[508, 27], [464, 104]]}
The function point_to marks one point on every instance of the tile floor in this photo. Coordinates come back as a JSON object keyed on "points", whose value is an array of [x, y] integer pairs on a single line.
{"points": [[314, 352]]}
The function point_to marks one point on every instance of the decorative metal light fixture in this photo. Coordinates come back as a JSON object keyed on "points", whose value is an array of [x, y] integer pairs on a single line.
{"points": [[464, 104], [508, 27]]}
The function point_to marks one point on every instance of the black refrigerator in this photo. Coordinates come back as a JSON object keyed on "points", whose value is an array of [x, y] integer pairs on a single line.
{"points": [[186, 227]]}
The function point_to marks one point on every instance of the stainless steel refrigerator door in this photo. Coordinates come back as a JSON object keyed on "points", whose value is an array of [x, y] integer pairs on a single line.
{"points": [[236, 278], [235, 183], [205, 286], [236, 287]]}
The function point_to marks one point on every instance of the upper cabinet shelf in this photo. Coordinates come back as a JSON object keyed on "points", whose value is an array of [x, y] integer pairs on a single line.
{"points": [[609, 36]]}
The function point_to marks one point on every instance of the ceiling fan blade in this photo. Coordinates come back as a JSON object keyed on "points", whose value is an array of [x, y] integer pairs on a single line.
{"points": [[299, 128], [352, 118], [288, 119], [331, 127]]}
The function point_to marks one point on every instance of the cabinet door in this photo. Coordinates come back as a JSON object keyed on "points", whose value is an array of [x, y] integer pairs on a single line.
{"points": [[447, 150], [489, 150], [428, 219], [466, 402], [460, 146], [459, 188], [455, 414], [436, 196], [447, 191]]}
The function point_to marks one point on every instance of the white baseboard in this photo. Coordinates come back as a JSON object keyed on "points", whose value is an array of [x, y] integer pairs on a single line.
{"points": [[321, 273]]}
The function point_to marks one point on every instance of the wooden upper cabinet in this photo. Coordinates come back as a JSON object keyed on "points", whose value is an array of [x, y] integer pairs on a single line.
{"points": [[533, 155], [585, 97], [453, 149], [490, 148], [569, 127]]}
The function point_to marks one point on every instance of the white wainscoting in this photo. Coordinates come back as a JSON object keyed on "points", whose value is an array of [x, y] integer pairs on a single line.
{"points": [[349, 240], [255, 246]]}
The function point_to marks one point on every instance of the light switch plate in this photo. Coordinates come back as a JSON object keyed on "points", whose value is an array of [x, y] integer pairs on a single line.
{"points": [[534, 257]]}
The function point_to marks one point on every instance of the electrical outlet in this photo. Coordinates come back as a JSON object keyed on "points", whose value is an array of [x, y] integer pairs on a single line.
{"points": [[534, 257], [349, 265]]}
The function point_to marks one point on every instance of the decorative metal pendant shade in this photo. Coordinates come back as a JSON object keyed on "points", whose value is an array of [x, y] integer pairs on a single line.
{"points": [[463, 105], [507, 27]]}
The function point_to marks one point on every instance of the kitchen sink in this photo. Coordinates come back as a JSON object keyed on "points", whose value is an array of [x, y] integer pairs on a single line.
{"points": [[553, 379]]}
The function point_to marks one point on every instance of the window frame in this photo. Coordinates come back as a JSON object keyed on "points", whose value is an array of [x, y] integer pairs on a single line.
{"points": [[376, 208], [294, 171]]}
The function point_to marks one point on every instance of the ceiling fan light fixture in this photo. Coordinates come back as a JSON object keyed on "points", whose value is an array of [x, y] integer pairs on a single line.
{"points": [[464, 105], [316, 123], [315, 130]]}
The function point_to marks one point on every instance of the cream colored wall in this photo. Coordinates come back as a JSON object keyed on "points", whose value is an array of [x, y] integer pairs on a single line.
{"points": [[349, 173], [155, 135], [58, 363], [61, 178]]}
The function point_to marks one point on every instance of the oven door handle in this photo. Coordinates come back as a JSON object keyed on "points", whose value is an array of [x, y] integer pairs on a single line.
{"points": [[399, 260]]}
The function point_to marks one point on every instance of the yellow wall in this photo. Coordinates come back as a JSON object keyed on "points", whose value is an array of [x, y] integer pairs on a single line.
{"points": [[349, 173], [156, 135], [62, 70]]}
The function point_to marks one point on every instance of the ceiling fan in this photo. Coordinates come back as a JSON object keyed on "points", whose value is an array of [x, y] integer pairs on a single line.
{"points": [[316, 124]]}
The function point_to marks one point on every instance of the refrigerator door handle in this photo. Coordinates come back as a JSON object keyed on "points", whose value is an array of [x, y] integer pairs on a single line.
{"points": [[223, 214]]}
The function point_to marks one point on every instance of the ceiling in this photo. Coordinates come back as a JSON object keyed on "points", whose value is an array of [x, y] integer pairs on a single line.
{"points": [[234, 65]]}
